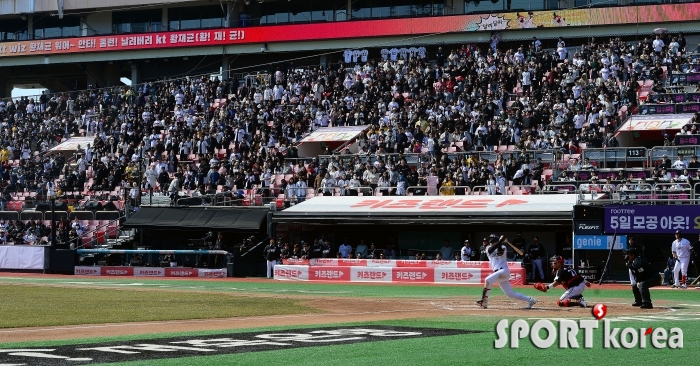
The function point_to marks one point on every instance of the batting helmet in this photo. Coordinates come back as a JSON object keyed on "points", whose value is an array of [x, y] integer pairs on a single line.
{"points": [[557, 259]]}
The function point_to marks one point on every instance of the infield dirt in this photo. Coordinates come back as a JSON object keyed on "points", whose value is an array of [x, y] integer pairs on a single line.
{"points": [[333, 310]]}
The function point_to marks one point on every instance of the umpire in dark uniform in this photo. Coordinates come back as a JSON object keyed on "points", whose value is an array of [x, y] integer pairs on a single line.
{"points": [[645, 276]]}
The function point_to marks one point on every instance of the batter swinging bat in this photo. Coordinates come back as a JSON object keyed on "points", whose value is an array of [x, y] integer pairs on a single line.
{"points": [[515, 249]]}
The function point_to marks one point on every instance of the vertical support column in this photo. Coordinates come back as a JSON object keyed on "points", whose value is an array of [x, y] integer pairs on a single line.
{"points": [[323, 62], [83, 26], [348, 11], [456, 7], [30, 26], [164, 19], [233, 14], [224, 68], [135, 75]]}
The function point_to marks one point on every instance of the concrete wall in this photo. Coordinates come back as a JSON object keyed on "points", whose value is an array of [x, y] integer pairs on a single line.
{"points": [[17, 7], [99, 23], [50, 5]]}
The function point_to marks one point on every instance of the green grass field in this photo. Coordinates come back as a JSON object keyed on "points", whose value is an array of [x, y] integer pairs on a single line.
{"points": [[49, 301]]}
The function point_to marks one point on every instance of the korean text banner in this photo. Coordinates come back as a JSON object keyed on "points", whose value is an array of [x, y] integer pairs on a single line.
{"points": [[357, 29], [652, 219]]}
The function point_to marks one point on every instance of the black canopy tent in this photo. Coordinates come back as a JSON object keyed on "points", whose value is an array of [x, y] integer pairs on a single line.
{"points": [[174, 227], [191, 218]]}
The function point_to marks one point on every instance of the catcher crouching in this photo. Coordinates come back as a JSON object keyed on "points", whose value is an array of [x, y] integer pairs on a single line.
{"points": [[570, 280]]}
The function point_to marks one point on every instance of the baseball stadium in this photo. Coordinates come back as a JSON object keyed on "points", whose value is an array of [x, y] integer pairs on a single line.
{"points": [[349, 182]]}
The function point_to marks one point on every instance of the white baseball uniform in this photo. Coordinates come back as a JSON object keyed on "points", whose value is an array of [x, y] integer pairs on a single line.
{"points": [[681, 247], [466, 254], [501, 273]]}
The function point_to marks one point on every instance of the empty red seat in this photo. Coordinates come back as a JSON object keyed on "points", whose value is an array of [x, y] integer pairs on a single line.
{"points": [[101, 236], [112, 232], [86, 241]]}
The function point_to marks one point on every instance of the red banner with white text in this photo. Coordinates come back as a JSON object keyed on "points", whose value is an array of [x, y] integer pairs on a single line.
{"points": [[449, 274], [149, 272], [357, 29]]}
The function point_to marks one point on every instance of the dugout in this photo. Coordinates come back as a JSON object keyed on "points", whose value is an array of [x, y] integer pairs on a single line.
{"points": [[173, 228], [652, 226], [421, 223]]}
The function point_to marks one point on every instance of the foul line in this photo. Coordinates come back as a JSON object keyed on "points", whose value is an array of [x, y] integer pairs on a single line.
{"points": [[334, 315]]}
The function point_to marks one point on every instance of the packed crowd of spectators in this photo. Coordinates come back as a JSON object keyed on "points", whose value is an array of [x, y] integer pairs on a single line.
{"points": [[201, 135]]}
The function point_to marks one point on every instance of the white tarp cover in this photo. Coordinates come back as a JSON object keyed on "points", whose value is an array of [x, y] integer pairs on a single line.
{"points": [[21, 257], [72, 144], [535, 204], [315, 143]]}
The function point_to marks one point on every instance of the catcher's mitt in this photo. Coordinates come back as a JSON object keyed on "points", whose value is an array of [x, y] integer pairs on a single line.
{"points": [[588, 284], [539, 286]]}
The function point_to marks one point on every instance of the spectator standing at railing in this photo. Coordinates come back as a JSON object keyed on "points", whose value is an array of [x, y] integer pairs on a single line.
{"points": [[491, 185], [447, 188], [163, 181], [301, 188], [134, 194], [328, 185], [174, 188], [371, 177]]}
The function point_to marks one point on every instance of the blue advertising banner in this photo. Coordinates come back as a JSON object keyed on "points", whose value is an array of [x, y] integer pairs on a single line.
{"points": [[652, 219], [599, 242]]}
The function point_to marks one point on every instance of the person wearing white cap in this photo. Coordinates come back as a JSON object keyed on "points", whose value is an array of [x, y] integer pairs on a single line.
{"points": [[680, 248]]}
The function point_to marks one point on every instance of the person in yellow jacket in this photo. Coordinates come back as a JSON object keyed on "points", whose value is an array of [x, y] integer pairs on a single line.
{"points": [[4, 155], [447, 188]]}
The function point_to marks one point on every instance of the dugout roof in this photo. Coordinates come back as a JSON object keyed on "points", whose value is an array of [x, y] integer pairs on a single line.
{"points": [[198, 218], [520, 209]]}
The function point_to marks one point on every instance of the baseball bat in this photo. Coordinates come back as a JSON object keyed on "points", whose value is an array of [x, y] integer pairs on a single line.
{"points": [[605, 269], [515, 249]]}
